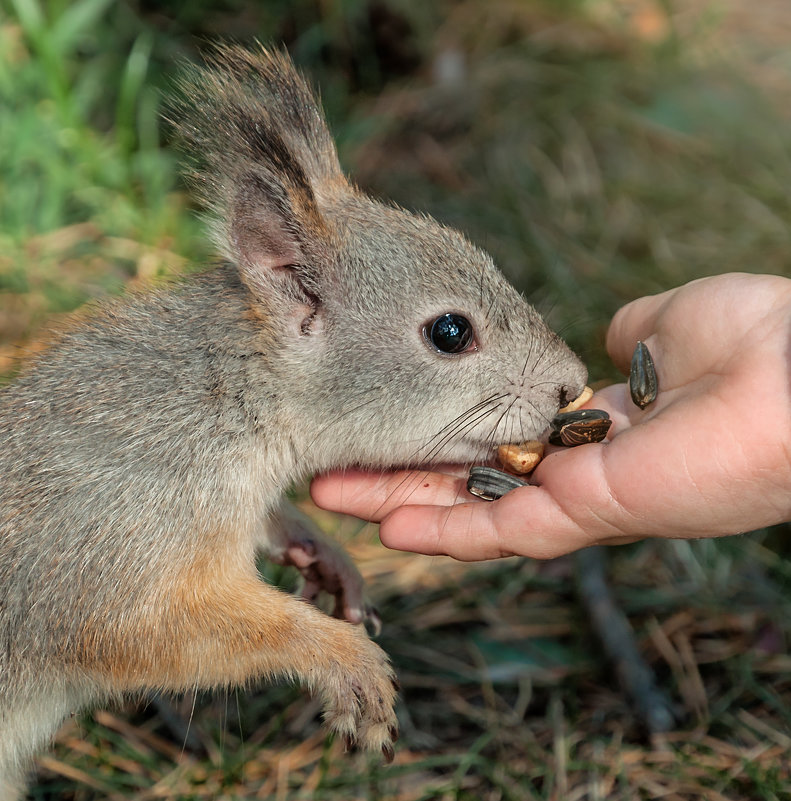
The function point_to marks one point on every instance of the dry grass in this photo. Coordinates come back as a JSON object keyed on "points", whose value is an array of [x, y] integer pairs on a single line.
{"points": [[504, 697]]}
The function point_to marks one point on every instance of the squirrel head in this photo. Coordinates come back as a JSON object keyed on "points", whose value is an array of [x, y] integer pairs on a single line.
{"points": [[398, 341]]}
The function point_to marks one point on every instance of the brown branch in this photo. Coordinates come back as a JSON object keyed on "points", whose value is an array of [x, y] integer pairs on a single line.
{"points": [[649, 703]]}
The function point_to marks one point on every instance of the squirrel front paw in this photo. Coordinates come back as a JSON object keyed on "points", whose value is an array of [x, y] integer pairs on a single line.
{"points": [[324, 565], [359, 695]]}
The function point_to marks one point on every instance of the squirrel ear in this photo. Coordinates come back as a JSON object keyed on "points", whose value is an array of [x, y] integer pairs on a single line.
{"points": [[272, 234], [268, 225], [260, 150]]}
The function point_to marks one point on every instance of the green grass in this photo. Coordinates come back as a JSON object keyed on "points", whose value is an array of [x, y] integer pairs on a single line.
{"points": [[596, 166], [88, 199]]}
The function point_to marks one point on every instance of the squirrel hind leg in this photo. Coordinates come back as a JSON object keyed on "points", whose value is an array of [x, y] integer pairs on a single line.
{"points": [[11, 788], [28, 727]]}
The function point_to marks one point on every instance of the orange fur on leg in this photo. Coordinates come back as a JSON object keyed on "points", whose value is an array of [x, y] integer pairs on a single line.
{"points": [[210, 631]]}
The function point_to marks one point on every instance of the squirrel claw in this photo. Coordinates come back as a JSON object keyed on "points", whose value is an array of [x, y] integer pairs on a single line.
{"points": [[372, 621]]}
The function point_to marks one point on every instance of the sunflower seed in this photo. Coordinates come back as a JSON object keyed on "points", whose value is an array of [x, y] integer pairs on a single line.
{"points": [[643, 384], [490, 484], [579, 427], [584, 431]]}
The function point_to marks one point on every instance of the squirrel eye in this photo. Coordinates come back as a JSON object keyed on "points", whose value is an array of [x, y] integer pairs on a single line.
{"points": [[450, 333]]}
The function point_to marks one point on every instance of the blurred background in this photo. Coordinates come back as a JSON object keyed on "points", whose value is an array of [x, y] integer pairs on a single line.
{"points": [[600, 150]]}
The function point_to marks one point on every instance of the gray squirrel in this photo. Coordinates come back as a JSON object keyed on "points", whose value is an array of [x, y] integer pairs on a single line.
{"points": [[144, 455]]}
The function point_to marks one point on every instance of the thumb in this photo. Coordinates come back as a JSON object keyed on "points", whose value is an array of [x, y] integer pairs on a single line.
{"points": [[632, 322]]}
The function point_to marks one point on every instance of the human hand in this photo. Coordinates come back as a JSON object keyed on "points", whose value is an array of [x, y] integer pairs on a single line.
{"points": [[711, 456]]}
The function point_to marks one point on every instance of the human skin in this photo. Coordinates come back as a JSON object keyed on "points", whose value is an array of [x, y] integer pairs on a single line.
{"points": [[710, 457]]}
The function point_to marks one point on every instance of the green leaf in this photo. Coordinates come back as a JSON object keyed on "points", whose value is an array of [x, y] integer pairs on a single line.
{"points": [[72, 25]]}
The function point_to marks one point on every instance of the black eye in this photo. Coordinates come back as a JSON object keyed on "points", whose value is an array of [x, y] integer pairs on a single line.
{"points": [[450, 333]]}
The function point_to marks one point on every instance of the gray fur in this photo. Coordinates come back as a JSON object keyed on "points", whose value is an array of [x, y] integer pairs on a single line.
{"points": [[187, 410]]}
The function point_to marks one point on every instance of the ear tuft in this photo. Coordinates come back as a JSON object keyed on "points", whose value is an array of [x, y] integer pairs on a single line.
{"points": [[260, 151]]}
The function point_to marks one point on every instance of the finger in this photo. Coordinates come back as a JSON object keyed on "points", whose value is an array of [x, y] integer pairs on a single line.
{"points": [[525, 522], [571, 505], [633, 322], [616, 401], [372, 496], [437, 520]]}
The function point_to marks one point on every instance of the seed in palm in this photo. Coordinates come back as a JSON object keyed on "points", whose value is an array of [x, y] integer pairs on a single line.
{"points": [[579, 427], [489, 483]]}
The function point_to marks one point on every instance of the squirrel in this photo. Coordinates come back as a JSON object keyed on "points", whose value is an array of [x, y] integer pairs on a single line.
{"points": [[145, 454]]}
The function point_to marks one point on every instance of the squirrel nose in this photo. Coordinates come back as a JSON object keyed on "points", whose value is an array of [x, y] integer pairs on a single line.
{"points": [[566, 395], [572, 398]]}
